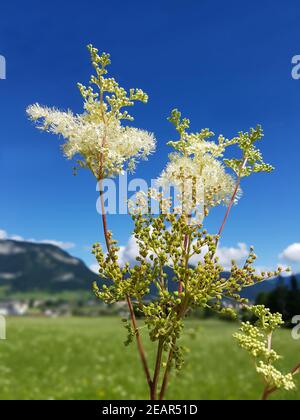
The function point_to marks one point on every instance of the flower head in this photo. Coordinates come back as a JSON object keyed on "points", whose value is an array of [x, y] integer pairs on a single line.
{"points": [[196, 171], [200, 180], [102, 143]]}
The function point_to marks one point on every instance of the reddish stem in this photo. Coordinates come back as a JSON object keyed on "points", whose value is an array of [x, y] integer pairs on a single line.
{"points": [[139, 341], [156, 370], [166, 374], [185, 247], [267, 392], [295, 370], [103, 215], [128, 300], [233, 197]]}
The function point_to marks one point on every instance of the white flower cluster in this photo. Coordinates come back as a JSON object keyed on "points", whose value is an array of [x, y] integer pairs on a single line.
{"points": [[194, 180], [200, 180], [198, 147], [138, 204], [106, 149], [142, 203], [102, 144], [196, 171]]}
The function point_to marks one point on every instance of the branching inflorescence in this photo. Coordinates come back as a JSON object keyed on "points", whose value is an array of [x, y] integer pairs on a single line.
{"points": [[175, 237], [103, 144], [257, 341]]}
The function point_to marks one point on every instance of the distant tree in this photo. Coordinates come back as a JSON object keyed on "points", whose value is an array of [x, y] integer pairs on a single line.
{"points": [[261, 298], [293, 299], [294, 284], [277, 300], [284, 299]]}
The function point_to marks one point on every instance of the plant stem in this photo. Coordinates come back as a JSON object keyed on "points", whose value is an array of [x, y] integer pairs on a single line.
{"points": [[237, 186], [270, 341], [157, 370], [107, 241], [296, 369], [165, 381], [267, 392], [181, 312], [167, 372], [139, 341], [103, 215], [128, 300], [185, 247]]}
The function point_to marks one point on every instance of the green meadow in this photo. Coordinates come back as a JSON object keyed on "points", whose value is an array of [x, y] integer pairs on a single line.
{"points": [[84, 358]]}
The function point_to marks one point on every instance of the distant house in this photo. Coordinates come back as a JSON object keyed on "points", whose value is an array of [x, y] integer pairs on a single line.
{"points": [[3, 310], [14, 308]]}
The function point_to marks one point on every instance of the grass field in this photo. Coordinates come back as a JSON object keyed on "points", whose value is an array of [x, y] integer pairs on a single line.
{"points": [[80, 358]]}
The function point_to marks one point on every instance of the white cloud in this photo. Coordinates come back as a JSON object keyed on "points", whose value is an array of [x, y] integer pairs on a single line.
{"points": [[129, 252], [60, 244], [94, 268], [225, 254], [16, 238], [3, 234], [291, 253]]}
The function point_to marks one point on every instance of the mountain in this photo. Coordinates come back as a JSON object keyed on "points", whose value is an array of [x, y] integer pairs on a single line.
{"points": [[31, 267]]}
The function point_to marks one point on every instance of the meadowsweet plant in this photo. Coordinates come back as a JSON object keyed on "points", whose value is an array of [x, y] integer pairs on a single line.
{"points": [[174, 239], [98, 136]]}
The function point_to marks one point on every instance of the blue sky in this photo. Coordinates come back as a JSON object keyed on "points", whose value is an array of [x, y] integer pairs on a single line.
{"points": [[226, 65]]}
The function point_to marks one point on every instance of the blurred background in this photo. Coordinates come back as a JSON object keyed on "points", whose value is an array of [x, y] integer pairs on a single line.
{"points": [[227, 66]]}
